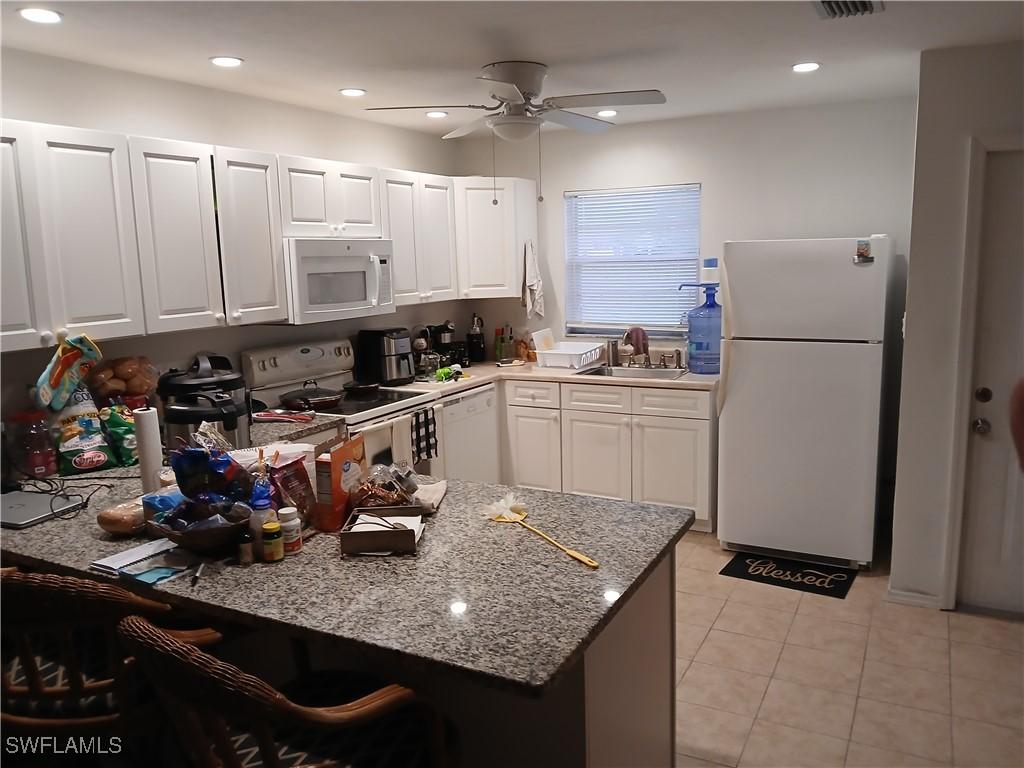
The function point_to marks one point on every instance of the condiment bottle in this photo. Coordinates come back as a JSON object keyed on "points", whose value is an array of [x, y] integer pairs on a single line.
{"points": [[245, 556], [291, 530], [273, 542], [260, 514]]}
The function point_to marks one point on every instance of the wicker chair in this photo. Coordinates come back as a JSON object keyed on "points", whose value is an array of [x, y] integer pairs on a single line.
{"points": [[62, 663], [227, 718]]}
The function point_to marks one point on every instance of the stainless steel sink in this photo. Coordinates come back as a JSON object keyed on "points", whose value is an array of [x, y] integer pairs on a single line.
{"points": [[667, 374]]}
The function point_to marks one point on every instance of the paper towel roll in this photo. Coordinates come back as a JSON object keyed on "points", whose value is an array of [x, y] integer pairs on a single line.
{"points": [[151, 450]]}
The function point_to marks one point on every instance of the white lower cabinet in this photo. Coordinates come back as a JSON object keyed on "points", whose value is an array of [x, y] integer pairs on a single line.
{"points": [[671, 462], [534, 452], [596, 450]]}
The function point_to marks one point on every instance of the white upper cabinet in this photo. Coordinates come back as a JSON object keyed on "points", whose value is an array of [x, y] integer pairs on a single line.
{"points": [[490, 235], [400, 212], [91, 253], [172, 184], [306, 205], [25, 321], [596, 454], [436, 234], [359, 187], [251, 245]]}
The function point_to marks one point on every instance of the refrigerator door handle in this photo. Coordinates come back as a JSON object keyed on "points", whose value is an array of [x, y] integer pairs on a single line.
{"points": [[723, 377]]}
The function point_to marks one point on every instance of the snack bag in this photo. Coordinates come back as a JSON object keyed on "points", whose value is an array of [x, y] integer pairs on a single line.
{"points": [[67, 369], [81, 446], [119, 428], [292, 483]]}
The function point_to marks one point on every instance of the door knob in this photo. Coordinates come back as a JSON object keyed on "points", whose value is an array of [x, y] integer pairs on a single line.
{"points": [[981, 426]]}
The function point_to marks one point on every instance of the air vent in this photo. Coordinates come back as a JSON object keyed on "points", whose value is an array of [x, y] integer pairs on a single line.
{"points": [[841, 9]]}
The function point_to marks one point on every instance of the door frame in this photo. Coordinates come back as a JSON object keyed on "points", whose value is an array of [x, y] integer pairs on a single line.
{"points": [[979, 150]]}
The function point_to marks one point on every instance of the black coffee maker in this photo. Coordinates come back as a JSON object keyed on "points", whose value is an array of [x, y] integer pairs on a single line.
{"points": [[441, 339]]}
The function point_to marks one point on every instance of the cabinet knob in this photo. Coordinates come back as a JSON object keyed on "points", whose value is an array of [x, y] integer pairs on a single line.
{"points": [[46, 337], [465, 291], [219, 317], [236, 315], [62, 333]]}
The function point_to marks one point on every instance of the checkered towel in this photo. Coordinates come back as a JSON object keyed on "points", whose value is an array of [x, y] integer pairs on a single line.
{"points": [[424, 435]]}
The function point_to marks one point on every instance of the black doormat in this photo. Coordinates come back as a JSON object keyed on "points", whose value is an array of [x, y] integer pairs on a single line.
{"points": [[829, 580]]}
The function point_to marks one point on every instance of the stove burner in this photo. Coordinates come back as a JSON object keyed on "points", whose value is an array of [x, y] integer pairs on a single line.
{"points": [[352, 404]]}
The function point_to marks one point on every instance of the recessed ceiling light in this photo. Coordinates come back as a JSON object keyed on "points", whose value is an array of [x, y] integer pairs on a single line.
{"points": [[437, 114], [226, 61], [607, 113], [41, 15], [806, 66], [352, 92]]}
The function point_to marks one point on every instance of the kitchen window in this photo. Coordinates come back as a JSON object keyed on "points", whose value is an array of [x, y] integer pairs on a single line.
{"points": [[626, 252]]}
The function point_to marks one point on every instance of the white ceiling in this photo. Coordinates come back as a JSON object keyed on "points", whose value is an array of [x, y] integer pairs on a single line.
{"points": [[707, 57]]}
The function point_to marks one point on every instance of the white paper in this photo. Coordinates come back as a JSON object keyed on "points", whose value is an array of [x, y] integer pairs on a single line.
{"points": [[151, 450], [114, 563]]}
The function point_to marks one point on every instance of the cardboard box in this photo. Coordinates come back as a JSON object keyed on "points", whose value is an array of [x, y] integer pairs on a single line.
{"points": [[337, 474]]}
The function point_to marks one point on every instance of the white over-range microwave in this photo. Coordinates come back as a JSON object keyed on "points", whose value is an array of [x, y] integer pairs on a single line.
{"points": [[331, 279]]}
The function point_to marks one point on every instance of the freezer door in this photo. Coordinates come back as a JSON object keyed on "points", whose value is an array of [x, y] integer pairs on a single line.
{"points": [[805, 289], [798, 447]]}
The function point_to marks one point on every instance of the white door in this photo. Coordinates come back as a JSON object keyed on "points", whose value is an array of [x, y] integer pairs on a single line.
{"points": [[806, 289], [307, 197], [25, 321], [400, 214], [92, 256], [359, 193], [798, 447], [172, 185], [485, 236], [596, 454], [251, 247], [671, 462], [992, 539], [535, 447], [436, 238]]}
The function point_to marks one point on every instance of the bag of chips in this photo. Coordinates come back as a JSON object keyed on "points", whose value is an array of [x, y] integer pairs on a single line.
{"points": [[81, 446], [66, 371], [119, 428]]}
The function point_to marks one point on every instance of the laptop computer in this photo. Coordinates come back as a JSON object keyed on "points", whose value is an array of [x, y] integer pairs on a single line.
{"points": [[19, 509]]}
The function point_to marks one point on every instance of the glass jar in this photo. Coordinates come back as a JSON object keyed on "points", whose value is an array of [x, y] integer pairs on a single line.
{"points": [[32, 446]]}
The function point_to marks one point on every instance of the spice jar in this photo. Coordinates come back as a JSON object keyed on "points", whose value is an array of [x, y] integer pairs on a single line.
{"points": [[245, 549], [291, 530], [273, 542]]}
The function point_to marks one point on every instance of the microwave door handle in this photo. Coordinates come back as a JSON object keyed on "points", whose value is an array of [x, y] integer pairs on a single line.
{"points": [[375, 262]]}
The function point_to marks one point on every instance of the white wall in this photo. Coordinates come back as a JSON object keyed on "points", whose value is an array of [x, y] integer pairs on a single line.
{"points": [[964, 93]]}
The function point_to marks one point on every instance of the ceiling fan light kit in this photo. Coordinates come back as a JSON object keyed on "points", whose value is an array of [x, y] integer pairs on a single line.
{"points": [[517, 116]]}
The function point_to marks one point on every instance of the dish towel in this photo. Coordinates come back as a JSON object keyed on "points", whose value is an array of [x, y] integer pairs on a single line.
{"points": [[402, 453], [533, 286], [377, 443], [430, 496], [424, 435]]}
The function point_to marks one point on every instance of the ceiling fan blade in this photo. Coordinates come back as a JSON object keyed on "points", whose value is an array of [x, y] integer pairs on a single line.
{"points": [[576, 121], [507, 92], [612, 99], [468, 128], [434, 106]]}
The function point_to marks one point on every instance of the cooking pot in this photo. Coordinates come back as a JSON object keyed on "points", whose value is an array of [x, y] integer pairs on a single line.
{"points": [[310, 398]]}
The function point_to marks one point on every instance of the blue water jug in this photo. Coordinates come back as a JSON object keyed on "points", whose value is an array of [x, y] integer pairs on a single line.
{"points": [[704, 351]]}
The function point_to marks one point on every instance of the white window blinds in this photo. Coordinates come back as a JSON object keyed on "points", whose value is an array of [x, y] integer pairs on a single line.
{"points": [[626, 252]]}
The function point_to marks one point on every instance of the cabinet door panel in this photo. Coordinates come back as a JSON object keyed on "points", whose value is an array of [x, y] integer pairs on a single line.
{"points": [[400, 212], [596, 454], [172, 184], [671, 462], [359, 193], [486, 238], [535, 450], [436, 233], [252, 250], [24, 301], [89, 231], [305, 197]]}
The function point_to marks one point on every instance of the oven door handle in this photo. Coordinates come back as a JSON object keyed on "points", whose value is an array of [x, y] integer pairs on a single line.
{"points": [[375, 263]]}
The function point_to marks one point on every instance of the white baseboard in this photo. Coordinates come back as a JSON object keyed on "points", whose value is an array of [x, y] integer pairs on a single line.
{"points": [[914, 598]]}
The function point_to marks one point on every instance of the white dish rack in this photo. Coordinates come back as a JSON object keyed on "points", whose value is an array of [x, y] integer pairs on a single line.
{"points": [[570, 354]]}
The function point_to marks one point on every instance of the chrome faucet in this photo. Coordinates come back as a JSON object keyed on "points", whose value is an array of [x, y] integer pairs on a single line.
{"points": [[679, 359], [664, 361], [647, 360]]}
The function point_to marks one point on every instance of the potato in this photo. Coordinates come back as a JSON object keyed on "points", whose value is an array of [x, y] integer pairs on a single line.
{"points": [[100, 375], [126, 368], [137, 385], [123, 520]]}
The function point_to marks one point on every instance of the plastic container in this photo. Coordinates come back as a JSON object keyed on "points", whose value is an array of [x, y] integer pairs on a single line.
{"points": [[291, 530], [273, 542], [32, 446], [704, 350], [261, 513], [570, 354]]}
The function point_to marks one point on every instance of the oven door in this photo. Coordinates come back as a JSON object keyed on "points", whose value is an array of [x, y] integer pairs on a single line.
{"points": [[337, 279]]}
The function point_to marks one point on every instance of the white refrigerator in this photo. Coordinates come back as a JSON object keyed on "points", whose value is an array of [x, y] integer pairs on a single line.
{"points": [[800, 393]]}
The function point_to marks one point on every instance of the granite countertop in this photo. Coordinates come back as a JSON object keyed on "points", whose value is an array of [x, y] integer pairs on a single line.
{"points": [[529, 609], [264, 433]]}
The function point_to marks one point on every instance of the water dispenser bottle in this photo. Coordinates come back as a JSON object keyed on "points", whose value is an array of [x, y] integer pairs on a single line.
{"points": [[704, 352]]}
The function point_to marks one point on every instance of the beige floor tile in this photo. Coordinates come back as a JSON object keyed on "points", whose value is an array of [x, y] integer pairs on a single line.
{"points": [[911, 620], [706, 583], [747, 654], [683, 550], [810, 709], [855, 609], [707, 559], [998, 703], [985, 745], [983, 663], [910, 687], [689, 761], [772, 745], [985, 630], [688, 639], [698, 610], [914, 731], [918, 651], [828, 635], [765, 595], [863, 756], [722, 688], [821, 669], [710, 734], [756, 622]]}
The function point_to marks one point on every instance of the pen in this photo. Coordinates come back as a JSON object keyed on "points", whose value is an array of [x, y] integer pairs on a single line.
{"points": [[195, 576]]}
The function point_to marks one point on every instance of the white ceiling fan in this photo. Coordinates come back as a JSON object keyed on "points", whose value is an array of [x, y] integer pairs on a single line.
{"points": [[515, 115]]}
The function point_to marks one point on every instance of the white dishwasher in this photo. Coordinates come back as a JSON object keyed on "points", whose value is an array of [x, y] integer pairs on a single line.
{"points": [[469, 441]]}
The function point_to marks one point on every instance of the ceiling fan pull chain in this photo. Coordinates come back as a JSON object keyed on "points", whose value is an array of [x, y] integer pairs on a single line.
{"points": [[494, 173], [540, 171]]}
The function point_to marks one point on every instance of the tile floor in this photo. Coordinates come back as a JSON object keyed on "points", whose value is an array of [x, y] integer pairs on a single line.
{"points": [[774, 677]]}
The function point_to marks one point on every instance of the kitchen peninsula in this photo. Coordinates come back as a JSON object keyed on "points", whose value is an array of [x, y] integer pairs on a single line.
{"points": [[536, 659]]}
